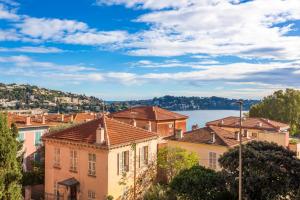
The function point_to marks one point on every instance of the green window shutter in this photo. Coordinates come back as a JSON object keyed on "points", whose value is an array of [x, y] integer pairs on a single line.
{"points": [[37, 140]]}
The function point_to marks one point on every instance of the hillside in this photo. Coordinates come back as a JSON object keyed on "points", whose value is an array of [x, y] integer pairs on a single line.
{"points": [[193, 103], [14, 96]]}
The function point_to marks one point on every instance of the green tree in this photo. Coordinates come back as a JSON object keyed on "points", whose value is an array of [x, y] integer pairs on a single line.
{"points": [[10, 161], [173, 159], [270, 171], [200, 183], [282, 106]]}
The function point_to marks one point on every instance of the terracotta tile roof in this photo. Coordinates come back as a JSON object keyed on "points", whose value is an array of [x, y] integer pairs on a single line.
{"points": [[253, 123], [117, 132], [204, 135], [84, 117], [152, 113], [50, 119]]}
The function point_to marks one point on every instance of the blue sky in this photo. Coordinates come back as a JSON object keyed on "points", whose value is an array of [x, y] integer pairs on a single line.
{"points": [[136, 49]]}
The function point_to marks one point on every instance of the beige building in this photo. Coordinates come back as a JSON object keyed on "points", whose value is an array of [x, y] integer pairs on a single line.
{"points": [[96, 159], [220, 135], [209, 143], [260, 128]]}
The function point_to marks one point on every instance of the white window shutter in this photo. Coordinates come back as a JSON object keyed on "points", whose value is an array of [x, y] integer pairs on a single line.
{"points": [[149, 152], [140, 157], [120, 162], [131, 159]]}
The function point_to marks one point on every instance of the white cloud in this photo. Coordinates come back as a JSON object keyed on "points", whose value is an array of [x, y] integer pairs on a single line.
{"points": [[174, 64], [32, 49], [66, 31], [215, 27], [6, 13]]}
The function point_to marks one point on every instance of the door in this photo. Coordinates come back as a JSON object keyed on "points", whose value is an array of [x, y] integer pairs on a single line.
{"points": [[73, 192]]}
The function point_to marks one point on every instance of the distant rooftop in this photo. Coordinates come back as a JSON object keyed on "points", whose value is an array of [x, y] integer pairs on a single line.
{"points": [[250, 122], [45, 120], [153, 113], [204, 136]]}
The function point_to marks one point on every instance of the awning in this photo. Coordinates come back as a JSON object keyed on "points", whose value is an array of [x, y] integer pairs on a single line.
{"points": [[69, 182]]}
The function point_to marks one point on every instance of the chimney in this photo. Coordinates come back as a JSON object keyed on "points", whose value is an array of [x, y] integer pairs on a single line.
{"points": [[194, 127], [247, 134], [259, 124], [222, 122], [133, 122], [72, 118], [149, 126], [213, 137], [28, 120], [237, 136], [100, 135], [62, 117], [43, 119], [178, 134]]}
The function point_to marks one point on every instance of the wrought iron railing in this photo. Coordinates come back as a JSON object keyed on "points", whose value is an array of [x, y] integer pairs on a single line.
{"points": [[50, 196]]}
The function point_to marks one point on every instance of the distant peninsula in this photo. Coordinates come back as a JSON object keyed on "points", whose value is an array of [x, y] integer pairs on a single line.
{"points": [[24, 96]]}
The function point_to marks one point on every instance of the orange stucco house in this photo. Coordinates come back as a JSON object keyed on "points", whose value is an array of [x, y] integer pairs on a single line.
{"points": [[90, 160], [153, 118]]}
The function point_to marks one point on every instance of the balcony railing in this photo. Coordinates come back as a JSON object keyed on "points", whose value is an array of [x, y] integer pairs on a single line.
{"points": [[50, 196]]}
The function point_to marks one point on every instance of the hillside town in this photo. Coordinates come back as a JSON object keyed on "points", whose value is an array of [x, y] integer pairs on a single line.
{"points": [[88, 155], [150, 100]]}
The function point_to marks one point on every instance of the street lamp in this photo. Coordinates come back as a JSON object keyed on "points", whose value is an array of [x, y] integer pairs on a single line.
{"points": [[240, 102]]}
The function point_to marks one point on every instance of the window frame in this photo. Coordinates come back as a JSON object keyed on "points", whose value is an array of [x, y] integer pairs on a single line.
{"points": [[56, 160], [92, 158], [212, 160], [73, 160]]}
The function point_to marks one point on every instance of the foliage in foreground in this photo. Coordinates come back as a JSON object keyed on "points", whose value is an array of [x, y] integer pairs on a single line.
{"points": [[200, 183], [173, 159], [283, 106], [270, 171], [10, 161]]}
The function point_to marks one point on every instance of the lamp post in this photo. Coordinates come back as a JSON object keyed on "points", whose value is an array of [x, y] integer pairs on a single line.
{"points": [[240, 102]]}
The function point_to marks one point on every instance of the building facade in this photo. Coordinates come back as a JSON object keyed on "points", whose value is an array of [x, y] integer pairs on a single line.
{"points": [[153, 118], [209, 143], [260, 128], [96, 159], [31, 128]]}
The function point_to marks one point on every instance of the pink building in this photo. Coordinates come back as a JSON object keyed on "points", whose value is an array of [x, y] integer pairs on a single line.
{"points": [[96, 159], [32, 127]]}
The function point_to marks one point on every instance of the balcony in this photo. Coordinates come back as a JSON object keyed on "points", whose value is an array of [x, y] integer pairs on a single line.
{"points": [[50, 196]]}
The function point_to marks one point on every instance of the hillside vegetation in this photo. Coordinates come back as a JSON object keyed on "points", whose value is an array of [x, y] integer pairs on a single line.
{"points": [[283, 106]]}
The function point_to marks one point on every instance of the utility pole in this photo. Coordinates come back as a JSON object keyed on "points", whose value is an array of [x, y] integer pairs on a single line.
{"points": [[240, 102], [133, 147]]}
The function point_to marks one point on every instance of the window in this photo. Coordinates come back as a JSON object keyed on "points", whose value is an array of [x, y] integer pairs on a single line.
{"points": [[55, 188], [212, 160], [123, 162], [36, 157], [73, 164], [56, 157], [91, 195], [92, 164], [37, 138], [21, 137], [143, 158]]}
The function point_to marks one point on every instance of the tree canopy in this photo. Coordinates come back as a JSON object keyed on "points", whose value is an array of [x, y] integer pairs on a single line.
{"points": [[270, 171], [10, 161], [282, 106], [200, 183], [173, 159]]}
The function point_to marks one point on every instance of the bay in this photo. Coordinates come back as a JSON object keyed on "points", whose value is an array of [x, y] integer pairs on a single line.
{"points": [[201, 117]]}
